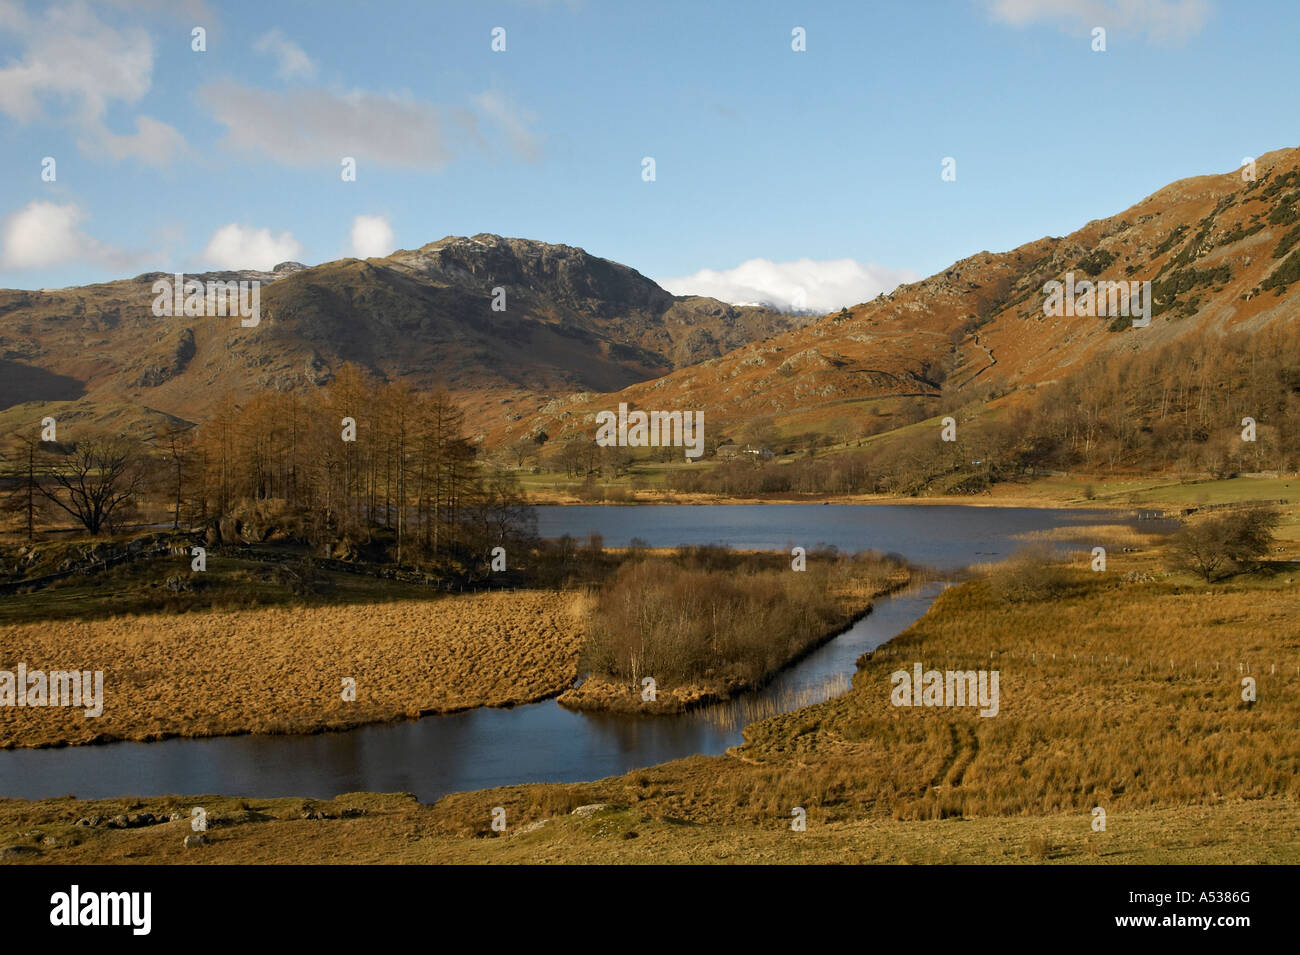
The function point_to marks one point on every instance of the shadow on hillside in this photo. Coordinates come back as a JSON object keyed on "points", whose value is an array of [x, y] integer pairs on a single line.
{"points": [[20, 383]]}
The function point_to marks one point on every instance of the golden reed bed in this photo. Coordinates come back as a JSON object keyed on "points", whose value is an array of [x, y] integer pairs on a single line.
{"points": [[282, 670]]}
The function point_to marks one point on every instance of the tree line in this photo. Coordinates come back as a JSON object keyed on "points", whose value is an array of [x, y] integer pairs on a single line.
{"points": [[358, 461]]}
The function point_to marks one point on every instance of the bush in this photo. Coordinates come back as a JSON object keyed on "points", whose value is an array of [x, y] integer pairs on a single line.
{"points": [[1031, 575], [1284, 274], [1219, 547], [715, 616], [1096, 261]]}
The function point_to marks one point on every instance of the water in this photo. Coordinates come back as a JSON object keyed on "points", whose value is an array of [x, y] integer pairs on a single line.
{"points": [[943, 536], [543, 742]]}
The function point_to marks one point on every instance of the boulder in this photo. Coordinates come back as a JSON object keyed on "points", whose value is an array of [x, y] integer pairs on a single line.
{"points": [[18, 852]]}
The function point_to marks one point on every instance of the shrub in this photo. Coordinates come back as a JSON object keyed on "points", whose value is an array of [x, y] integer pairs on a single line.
{"points": [[716, 616], [1096, 261], [1287, 241], [1286, 273], [1218, 547], [1031, 575]]}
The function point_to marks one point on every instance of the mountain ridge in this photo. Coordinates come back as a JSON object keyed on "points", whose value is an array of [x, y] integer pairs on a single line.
{"points": [[572, 321], [1213, 247]]}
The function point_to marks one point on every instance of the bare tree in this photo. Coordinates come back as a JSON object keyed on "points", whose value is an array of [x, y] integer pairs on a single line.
{"points": [[23, 497], [96, 481], [178, 444]]}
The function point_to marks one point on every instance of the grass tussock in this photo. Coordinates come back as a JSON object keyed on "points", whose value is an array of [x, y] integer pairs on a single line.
{"points": [[1087, 536]]}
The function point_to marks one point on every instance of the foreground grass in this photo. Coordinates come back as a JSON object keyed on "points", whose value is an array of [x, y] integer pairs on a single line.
{"points": [[1123, 695], [373, 828], [281, 669]]}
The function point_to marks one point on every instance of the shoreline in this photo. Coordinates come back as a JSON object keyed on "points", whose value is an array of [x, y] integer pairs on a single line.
{"points": [[858, 500], [1171, 495]]}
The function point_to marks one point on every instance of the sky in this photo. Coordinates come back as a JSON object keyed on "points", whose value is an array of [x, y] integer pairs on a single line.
{"points": [[809, 178]]}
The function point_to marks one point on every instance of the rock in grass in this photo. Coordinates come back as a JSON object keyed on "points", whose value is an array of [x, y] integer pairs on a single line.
{"points": [[18, 852], [530, 827], [195, 840]]}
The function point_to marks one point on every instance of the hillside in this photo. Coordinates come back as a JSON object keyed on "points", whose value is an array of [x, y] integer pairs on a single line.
{"points": [[1222, 254], [580, 334], [572, 322]]}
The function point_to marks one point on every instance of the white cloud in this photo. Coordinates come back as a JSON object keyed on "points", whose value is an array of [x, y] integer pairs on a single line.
{"points": [[1165, 20], [512, 121], [372, 237], [236, 246], [306, 126], [72, 68], [152, 142], [44, 234], [294, 63], [802, 285]]}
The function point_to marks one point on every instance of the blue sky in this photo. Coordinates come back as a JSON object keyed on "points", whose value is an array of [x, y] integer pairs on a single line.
{"points": [[823, 165]]}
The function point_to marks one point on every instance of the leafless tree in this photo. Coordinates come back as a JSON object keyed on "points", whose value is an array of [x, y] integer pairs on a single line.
{"points": [[96, 482]]}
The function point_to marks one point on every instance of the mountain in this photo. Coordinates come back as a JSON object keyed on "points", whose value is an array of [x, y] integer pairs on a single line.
{"points": [[571, 322], [580, 334], [1222, 253]]}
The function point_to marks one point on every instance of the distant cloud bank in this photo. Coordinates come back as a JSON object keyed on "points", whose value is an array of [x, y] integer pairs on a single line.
{"points": [[1171, 21], [803, 285]]}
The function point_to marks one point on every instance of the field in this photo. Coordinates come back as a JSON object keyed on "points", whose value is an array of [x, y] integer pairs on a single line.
{"points": [[388, 829], [281, 669]]}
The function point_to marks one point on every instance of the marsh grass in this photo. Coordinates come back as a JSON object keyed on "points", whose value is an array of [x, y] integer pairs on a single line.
{"points": [[1088, 536], [1113, 694], [279, 669]]}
